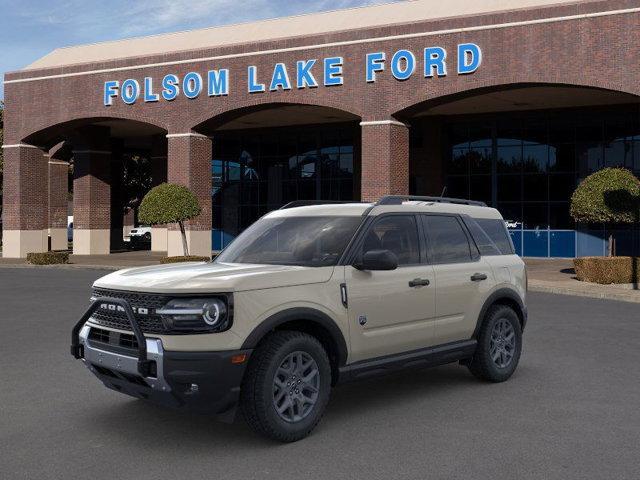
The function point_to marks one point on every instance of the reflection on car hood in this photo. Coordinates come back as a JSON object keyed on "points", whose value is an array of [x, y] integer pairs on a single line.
{"points": [[211, 277]]}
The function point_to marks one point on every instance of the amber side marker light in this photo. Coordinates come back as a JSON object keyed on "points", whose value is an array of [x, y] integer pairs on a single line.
{"points": [[240, 358]]}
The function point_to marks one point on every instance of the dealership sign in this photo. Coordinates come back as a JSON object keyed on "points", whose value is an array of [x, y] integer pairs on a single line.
{"points": [[308, 73]]}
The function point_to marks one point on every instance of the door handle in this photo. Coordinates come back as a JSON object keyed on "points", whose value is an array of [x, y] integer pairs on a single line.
{"points": [[477, 277], [419, 282]]}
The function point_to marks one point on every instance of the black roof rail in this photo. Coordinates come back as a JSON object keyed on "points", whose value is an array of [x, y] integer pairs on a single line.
{"points": [[398, 199], [307, 203]]}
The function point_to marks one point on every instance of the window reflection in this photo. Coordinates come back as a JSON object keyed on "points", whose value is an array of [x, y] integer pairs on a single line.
{"points": [[255, 171], [538, 159]]}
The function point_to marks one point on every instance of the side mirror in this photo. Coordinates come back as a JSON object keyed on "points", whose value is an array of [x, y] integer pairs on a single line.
{"points": [[378, 260]]}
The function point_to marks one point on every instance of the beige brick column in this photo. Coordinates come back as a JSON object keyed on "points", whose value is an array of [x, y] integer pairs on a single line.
{"points": [[189, 164], [25, 212], [385, 159], [58, 191], [158, 159]]}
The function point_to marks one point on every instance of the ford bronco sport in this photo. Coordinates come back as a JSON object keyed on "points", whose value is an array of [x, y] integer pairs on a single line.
{"points": [[307, 297]]}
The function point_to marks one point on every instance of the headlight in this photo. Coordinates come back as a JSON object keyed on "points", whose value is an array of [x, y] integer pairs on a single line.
{"points": [[196, 314]]}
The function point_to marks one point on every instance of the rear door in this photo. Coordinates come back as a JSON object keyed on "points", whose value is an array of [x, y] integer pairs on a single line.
{"points": [[462, 278], [391, 311]]}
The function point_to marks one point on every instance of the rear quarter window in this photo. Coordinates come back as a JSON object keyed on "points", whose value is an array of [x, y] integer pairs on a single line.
{"points": [[496, 230]]}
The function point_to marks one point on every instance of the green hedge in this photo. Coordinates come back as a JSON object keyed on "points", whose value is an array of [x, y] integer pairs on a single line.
{"points": [[48, 258], [611, 195], [190, 258], [607, 270]]}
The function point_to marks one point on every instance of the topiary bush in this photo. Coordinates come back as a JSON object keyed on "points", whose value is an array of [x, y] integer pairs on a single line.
{"points": [[190, 258], [611, 195], [170, 203], [48, 258], [607, 270]]}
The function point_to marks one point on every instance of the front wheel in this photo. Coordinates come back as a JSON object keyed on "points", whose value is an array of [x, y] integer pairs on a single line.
{"points": [[499, 345], [287, 386]]}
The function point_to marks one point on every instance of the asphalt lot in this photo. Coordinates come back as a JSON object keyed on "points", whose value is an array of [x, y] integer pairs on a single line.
{"points": [[570, 411]]}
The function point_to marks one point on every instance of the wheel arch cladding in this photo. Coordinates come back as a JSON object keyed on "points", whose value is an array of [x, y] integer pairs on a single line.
{"points": [[307, 320], [503, 296]]}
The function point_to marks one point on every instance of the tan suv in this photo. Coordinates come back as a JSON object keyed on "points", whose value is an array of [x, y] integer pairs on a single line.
{"points": [[305, 298]]}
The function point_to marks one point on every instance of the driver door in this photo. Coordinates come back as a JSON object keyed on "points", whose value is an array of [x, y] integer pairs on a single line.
{"points": [[388, 312]]}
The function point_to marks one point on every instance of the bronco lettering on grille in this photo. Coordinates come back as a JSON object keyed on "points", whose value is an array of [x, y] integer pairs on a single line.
{"points": [[118, 308]]}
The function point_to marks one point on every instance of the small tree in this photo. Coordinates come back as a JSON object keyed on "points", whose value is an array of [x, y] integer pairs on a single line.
{"points": [[170, 203], [611, 195]]}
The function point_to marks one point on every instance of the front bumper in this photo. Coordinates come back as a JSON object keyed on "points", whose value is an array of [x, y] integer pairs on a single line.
{"points": [[204, 382]]}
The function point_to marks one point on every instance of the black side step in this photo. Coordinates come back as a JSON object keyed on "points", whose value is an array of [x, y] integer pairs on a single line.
{"points": [[425, 357]]}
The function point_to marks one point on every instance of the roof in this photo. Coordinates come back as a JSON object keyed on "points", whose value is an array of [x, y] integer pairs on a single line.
{"points": [[343, 209], [286, 27], [357, 209]]}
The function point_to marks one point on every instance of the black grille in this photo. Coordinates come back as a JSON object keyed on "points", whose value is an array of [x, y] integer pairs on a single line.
{"points": [[111, 341], [111, 338], [149, 323]]}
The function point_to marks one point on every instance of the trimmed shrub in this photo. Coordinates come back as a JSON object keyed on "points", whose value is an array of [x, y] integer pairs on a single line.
{"points": [[611, 195], [607, 270], [48, 258], [189, 258], [170, 203]]}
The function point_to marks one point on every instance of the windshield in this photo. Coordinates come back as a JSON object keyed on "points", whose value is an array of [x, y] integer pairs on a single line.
{"points": [[303, 241]]}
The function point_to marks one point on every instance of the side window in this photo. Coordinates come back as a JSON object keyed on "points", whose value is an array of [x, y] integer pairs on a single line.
{"points": [[396, 233], [447, 240]]}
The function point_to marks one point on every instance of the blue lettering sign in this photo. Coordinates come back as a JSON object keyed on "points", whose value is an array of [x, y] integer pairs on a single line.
{"points": [[254, 87], [192, 85], [149, 96], [110, 92], [304, 77], [170, 87], [375, 63], [130, 91], [218, 82], [280, 78], [402, 65], [434, 59], [469, 58], [333, 71]]}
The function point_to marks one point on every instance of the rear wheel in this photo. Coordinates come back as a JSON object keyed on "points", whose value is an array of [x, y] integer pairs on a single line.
{"points": [[287, 386], [499, 345]]}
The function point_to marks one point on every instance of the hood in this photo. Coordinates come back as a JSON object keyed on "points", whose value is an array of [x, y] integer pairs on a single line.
{"points": [[211, 277]]}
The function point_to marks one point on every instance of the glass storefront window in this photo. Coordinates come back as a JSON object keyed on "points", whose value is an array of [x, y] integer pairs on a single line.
{"points": [[510, 159], [618, 154], [256, 171], [535, 158], [538, 159]]}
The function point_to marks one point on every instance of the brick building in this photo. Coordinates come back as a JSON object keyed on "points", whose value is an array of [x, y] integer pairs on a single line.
{"points": [[509, 102]]}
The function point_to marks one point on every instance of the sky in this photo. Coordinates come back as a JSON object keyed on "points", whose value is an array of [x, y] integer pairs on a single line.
{"points": [[29, 29]]}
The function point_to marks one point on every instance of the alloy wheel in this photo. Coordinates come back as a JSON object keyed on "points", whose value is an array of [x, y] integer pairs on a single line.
{"points": [[296, 386], [503, 343]]}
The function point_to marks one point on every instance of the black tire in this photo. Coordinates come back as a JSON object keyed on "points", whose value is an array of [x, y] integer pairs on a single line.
{"points": [[482, 364], [257, 394]]}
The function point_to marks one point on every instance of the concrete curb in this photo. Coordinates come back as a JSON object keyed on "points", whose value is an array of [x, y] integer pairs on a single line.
{"points": [[66, 266], [631, 297]]}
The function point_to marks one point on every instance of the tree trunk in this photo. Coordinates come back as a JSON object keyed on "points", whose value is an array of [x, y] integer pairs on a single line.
{"points": [[610, 253], [185, 247]]}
